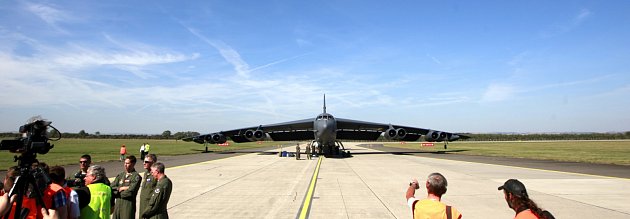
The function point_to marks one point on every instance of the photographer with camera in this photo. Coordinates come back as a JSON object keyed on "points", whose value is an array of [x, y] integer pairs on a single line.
{"points": [[79, 177]]}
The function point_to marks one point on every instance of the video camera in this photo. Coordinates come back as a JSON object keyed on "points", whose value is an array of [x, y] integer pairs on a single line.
{"points": [[34, 138]]}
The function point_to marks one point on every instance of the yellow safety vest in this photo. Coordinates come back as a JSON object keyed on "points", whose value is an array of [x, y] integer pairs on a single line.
{"points": [[100, 202]]}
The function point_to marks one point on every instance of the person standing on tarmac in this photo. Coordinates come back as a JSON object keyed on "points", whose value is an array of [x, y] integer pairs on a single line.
{"points": [[123, 152], [147, 148], [148, 183], [142, 153], [431, 207], [518, 200], [101, 202], [160, 195], [297, 151], [125, 188], [308, 151]]}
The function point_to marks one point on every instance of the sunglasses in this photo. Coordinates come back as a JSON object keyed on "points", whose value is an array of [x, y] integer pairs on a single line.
{"points": [[83, 162], [146, 161]]}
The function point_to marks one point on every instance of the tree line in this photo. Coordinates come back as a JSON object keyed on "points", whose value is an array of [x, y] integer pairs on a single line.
{"points": [[548, 137], [474, 137], [97, 135]]}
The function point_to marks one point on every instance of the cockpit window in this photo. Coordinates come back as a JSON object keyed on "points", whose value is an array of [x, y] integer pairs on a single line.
{"points": [[324, 117]]}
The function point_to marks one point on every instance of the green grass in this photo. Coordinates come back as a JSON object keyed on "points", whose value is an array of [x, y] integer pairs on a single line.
{"points": [[68, 151], [603, 152]]}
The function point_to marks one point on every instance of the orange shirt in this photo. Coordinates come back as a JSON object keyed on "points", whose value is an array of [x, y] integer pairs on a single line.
{"points": [[526, 214], [29, 203]]}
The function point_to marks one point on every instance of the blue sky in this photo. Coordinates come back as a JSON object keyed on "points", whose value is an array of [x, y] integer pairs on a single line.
{"points": [[206, 66]]}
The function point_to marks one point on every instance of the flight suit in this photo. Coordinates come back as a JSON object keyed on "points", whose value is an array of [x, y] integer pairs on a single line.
{"points": [[159, 199], [297, 152], [126, 200], [148, 185]]}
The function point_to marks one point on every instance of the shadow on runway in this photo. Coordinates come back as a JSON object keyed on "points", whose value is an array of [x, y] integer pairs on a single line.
{"points": [[412, 152]]}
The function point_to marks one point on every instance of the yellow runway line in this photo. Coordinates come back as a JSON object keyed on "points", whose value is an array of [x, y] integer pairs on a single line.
{"points": [[306, 207]]}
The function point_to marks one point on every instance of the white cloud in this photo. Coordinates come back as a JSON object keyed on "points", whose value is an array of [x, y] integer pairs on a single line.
{"points": [[303, 43], [437, 61], [583, 15], [49, 14], [566, 26], [230, 55], [498, 92]]}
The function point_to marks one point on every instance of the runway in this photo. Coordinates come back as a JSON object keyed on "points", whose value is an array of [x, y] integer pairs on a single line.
{"points": [[372, 185]]}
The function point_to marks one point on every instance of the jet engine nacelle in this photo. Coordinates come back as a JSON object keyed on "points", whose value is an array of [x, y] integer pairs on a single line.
{"points": [[390, 134], [395, 134], [249, 134], [436, 136], [401, 133], [218, 138], [257, 135]]}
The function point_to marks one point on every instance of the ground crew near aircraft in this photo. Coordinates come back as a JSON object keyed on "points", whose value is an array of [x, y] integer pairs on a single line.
{"points": [[308, 151], [280, 153], [160, 195], [297, 151], [148, 183], [125, 188], [431, 207]]}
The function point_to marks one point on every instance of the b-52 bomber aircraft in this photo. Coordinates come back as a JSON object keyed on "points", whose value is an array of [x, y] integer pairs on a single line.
{"points": [[325, 132]]}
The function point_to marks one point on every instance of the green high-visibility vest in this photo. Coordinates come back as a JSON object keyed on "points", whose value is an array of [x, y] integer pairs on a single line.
{"points": [[100, 202], [146, 148]]}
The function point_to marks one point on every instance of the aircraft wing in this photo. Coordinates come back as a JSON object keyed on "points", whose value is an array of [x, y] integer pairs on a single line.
{"points": [[286, 131], [361, 130]]}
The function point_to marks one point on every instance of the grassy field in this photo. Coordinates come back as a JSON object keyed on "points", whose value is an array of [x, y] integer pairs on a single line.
{"points": [[604, 152], [68, 151]]}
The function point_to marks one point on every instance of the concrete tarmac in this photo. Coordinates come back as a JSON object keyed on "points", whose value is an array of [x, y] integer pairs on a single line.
{"points": [[373, 185]]}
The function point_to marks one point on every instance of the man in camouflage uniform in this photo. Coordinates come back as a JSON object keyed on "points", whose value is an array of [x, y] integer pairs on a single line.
{"points": [[125, 188], [148, 183], [297, 151], [79, 177], [160, 196]]}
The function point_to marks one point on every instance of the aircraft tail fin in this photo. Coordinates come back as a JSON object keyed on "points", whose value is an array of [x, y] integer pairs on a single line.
{"points": [[324, 103]]}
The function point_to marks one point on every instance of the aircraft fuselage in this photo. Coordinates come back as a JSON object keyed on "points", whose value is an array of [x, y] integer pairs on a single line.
{"points": [[325, 129]]}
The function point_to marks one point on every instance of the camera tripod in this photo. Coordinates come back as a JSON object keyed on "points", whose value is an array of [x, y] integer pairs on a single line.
{"points": [[22, 184]]}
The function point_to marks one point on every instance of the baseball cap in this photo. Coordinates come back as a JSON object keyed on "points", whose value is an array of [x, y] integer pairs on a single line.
{"points": [[515, 187]]}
